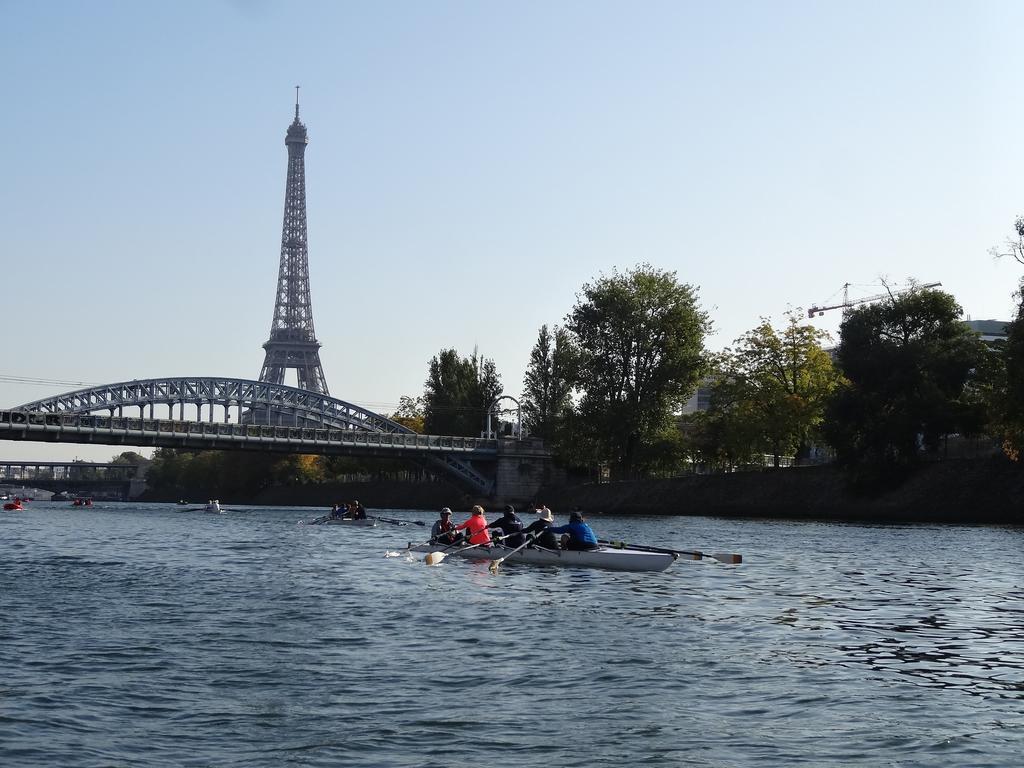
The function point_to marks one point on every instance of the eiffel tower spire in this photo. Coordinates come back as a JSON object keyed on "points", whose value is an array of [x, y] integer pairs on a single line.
{"points": [[292, 342]]}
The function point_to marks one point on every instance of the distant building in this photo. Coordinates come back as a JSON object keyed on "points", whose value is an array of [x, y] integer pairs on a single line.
{"points": [[700, 400], [990, 331]]}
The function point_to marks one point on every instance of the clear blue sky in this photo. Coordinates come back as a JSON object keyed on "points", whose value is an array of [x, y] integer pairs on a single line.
{"points": [[472, 164]]}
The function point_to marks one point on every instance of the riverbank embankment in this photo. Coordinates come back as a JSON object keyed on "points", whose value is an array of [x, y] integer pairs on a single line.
{"points": [[989, 490], [985, 490]]}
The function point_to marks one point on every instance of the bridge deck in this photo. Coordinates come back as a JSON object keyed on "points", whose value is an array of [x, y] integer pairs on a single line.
{"points": [[116, 430]]}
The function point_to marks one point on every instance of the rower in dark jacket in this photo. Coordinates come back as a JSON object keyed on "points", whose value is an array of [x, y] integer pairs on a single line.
{"points": [[539, 529], [511, 527], [581, 535]]}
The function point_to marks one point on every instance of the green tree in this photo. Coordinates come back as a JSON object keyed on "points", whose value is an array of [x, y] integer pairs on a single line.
{"points": [[457, 393], [1007, 397], [169, 471], [1014, 246], [297, 469], [547, 383], [778, 382], [639, 338], [727, 434], [229, 474], [129, 457], [410, 413], [911, 367]]}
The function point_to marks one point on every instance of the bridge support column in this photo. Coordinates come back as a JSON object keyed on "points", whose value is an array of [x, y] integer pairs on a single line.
{"points": [[523, 468]]}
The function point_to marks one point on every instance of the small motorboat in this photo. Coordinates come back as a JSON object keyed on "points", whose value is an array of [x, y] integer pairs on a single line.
{"points": [[14, 506]]}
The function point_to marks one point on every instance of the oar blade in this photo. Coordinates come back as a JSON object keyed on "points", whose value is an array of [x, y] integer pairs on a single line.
{"points": [[434, 558], [495, 565], [730, 558]]}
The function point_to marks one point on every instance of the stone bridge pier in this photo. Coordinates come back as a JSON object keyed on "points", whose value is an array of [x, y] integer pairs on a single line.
{"points": [[522, 469]]}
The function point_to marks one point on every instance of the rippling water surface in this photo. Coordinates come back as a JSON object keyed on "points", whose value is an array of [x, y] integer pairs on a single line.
{"points": [[150, 636]]}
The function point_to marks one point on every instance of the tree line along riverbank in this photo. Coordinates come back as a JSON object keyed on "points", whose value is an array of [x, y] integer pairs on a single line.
{"points": [[970, 491], [986, 490]]}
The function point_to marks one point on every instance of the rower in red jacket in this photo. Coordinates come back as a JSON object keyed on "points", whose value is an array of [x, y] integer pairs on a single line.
{"points": [[477, 527]]}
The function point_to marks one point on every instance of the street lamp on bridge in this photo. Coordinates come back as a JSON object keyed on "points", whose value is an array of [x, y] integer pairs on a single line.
{"points": [[495, 410]]}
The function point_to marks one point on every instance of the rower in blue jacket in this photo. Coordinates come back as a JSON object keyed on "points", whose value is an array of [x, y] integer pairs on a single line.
{"points": [[580, 535]]}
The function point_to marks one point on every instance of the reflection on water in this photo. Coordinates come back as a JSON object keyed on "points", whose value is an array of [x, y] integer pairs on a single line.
{"points": [[151, 636]]}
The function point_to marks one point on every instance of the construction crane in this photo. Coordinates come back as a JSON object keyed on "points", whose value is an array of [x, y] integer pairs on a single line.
{"points": [[849, 304]]}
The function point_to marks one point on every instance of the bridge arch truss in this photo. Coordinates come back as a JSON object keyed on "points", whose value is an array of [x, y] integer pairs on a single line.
{"points": [[254, 402]]}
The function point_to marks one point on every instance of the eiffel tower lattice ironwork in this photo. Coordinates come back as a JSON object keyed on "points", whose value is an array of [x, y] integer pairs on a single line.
{"points": [[292, 342]]}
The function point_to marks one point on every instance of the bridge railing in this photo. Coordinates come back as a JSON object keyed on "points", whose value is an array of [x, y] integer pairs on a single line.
{"points": [[211, 431]]}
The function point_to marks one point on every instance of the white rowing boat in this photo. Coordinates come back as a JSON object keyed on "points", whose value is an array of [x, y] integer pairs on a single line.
{"points": [[368, 522], [602, 557]]}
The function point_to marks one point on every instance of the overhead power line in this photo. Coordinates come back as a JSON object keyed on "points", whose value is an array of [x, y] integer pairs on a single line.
{"points": [[37, 382]]}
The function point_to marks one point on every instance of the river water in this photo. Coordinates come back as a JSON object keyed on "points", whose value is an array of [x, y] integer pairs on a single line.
{"points": [[151, 636]]}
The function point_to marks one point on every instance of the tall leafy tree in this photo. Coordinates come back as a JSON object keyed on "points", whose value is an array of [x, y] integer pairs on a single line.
{"points": [[1014, 245], [1007, 398], [129, 457], [457, 393], [639, 338], [727, 433], [911, 367], [777, 382], [547, 383], [410, 413]]}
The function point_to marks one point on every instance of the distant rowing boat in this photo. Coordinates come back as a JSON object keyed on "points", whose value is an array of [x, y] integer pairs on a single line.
{"points": [[603, 557]]}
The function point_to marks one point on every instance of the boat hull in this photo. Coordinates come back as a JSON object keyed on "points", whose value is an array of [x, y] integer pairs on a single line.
{"points": [[342, 521], [605, 558]]}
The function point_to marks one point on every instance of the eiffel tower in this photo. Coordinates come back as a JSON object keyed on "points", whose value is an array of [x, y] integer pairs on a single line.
{"points": [[292, 342]]}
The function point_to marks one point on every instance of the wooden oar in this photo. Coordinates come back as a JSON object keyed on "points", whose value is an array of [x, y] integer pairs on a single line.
{"points": [[458, 541], [722, 557], [434, 558], [496, 564]]}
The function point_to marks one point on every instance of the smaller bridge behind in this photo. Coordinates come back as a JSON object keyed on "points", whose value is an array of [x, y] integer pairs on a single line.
{"points": [[122, 481], [72, 471]]}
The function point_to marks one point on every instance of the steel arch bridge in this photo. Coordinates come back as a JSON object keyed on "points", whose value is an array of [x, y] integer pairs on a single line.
{"points": [[253, 401]]}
